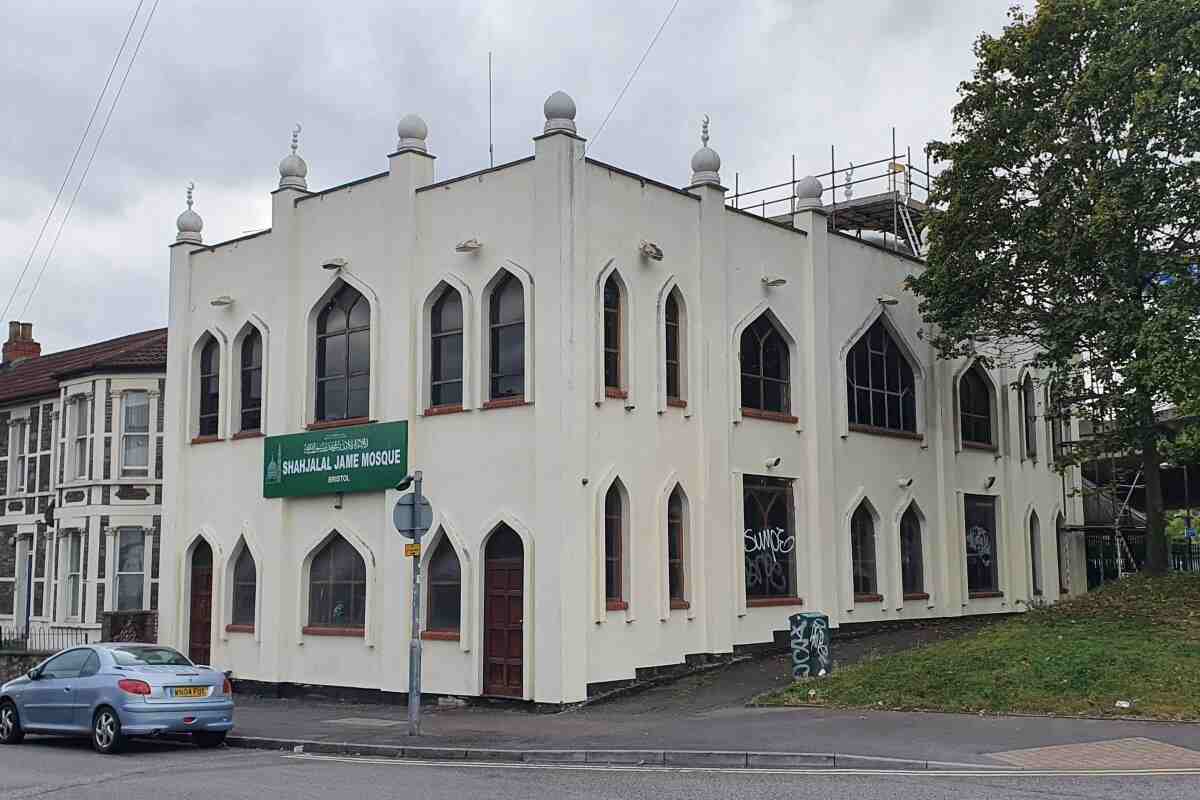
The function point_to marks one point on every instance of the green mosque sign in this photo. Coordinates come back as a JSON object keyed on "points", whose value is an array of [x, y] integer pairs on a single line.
{"points": [[361, 458]]}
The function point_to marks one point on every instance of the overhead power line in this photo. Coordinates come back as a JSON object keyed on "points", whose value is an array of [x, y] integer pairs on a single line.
{"points": [[70, 167], [91, 157], [635, 71]]}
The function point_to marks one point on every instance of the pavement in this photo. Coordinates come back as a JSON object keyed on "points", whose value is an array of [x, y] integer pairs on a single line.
{"points": [[703, 721], [68, 769]]}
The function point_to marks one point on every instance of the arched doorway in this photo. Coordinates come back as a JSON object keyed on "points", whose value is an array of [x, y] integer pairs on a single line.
{"points": [[200, 617], [503, 614]]}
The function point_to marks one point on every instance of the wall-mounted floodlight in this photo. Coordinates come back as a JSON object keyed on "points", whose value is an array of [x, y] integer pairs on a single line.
{"points": [[650, 250], [904, 483], [468, 246], [334, 263], [771, 463], [886, 300], [221, 301], [773, 281]]}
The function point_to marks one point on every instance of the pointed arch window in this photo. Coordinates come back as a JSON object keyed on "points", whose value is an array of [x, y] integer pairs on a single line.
{"points": [[344, 357], [245, 589], [210, 388], [446, 349], [614, 363], [880, 389], [252, 375], [1035, 553], [507, 343], [975, 408], [765, 370], [862, 554], [1064, 555], [445, 591], [337, 586], [1029, 415], [614, 547], [912, 555], [675, 331], [676, 573]]}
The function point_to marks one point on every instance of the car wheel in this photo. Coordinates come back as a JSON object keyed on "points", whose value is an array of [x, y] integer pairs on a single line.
{"points": [[207, 739], [10, 724], [106, 732]]}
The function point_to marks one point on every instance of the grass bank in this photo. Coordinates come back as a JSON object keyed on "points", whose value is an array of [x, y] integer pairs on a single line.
{"points": [[1137, 641]]}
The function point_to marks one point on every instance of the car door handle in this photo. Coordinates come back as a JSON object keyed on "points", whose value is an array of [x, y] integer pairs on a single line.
{"points": [[66, 688]]}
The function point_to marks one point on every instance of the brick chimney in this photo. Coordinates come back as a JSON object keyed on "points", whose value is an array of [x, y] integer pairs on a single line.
{"points": [[20, 344]]}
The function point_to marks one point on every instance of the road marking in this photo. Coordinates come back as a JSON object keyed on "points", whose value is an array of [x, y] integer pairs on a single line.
{"points": [[1000, 772]]}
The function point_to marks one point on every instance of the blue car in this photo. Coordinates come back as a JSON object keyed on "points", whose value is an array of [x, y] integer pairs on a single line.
{"points": [[114, 691]]}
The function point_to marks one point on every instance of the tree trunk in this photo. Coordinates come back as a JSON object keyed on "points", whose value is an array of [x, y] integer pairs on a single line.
{"points": [[1156, 532]]}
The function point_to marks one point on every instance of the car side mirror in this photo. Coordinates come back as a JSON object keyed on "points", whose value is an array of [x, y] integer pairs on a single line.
{"points": [[34, 674]]}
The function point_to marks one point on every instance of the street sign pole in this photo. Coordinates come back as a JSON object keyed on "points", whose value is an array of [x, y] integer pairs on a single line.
{"points": [[414, 645]]}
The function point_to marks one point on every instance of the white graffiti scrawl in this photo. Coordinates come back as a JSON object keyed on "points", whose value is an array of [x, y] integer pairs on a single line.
{"points": [[810, 645]]}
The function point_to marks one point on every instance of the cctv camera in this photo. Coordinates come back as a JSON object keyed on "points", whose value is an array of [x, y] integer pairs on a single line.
{"points": [[904, 483], [774, 462]]}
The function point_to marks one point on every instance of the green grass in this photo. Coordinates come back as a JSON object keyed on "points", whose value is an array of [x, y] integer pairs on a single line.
{"points": [[1137, 640]]}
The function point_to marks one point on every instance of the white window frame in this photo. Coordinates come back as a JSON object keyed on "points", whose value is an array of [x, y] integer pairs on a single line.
{"points": [[118, 573], [80, 434], [20, 456], [74, 575], [126, 435]]}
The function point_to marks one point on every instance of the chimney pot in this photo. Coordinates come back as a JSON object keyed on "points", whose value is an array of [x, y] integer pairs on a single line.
{"points": [[20, 345]]}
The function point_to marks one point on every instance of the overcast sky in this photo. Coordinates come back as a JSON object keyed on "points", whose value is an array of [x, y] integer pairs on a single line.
{"points": [[219, 84]]}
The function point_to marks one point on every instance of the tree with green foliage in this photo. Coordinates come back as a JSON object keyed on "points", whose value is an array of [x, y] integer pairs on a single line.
{"points": [[1065, 227]]}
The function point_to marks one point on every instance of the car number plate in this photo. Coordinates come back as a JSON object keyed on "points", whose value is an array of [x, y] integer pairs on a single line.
{"points": [[190, 691]]}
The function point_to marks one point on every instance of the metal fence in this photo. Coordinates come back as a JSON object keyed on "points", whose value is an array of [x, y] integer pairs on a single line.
{"points": [[1185, 556], [44, 640]]}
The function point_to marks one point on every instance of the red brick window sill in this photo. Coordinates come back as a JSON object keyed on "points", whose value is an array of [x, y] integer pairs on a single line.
{"points": [[616, 605], [338, 423], [770, 416], [677, 604], [916, 596], [867, 597], [984, 595], [675, 402], [247, 435], [437, 411], [206, 439], [239, 628], [871, 429], [331, 630], [767, 602], [506, 402], [440, 636], [616, 392]]}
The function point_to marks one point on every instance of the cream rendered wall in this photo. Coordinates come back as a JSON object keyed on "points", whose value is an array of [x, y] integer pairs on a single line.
{"points": [[560, 223]]}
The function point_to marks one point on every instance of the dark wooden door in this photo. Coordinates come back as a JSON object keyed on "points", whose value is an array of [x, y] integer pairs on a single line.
{"points": [[504, 609], [200, 619]]}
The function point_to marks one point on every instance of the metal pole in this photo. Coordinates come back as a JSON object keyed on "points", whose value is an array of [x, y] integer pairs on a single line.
{"points": [[414, 644], [491, 150]]}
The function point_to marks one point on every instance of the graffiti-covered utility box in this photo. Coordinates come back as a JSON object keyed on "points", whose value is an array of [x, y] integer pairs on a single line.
{"points": [[811, 656]]}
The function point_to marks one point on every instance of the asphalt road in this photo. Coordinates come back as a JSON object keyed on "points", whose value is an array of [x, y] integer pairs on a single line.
{"points": [[47, 768]]}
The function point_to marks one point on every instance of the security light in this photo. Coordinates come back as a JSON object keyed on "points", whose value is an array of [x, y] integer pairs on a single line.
{"points": [[904, 483], [990, 482], [651, 251], [468, 246], [334, 263], [886, 300], [773, 281], [221, 301], [773, 462]]}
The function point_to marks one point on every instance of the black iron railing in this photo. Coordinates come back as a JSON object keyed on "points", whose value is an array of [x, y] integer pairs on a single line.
{"points": [[43, 640], [1185, 556]]}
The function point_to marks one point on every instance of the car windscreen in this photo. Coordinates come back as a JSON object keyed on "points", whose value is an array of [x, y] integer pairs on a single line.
{"points": [[138, 656]]}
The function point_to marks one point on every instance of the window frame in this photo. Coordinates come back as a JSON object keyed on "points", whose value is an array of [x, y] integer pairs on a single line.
{"points": [[437, 378], [120, 574], [674, 320], [864, 565], [348, 626], [20, 456], [500, 284], [912, 527], [127, 436], [73, 583], [774, 330], [615, 521], [240, 585], [779, 490], [612, 328], [1029, 444], [677, 521], [447, 587], [976, 408], [1036, 579], [321, 378], [904, 368], [81, 432], [993, 587], [208, 423], [251, 372]]}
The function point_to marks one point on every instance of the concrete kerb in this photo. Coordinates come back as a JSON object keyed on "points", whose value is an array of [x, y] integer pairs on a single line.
{"points": [[706, 759]]}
